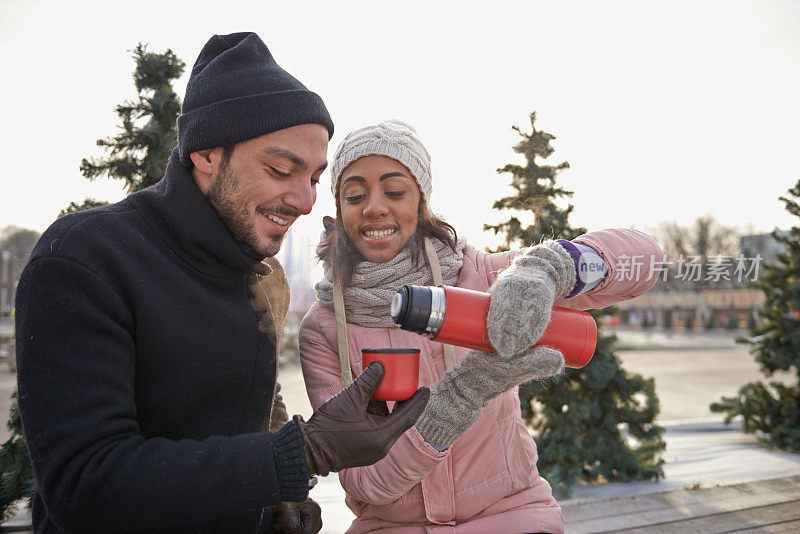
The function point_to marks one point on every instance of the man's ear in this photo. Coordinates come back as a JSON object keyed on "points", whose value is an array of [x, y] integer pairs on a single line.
{"points": [[202, 160], [205, 166]]}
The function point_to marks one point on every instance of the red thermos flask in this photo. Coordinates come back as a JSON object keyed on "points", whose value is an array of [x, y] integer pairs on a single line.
{"points": [[457, 316]]}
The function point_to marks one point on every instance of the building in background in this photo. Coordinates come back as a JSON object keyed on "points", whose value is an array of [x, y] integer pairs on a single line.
{"points": [[724, 302], [764, 245], [298, 257], [10, 271], [299, 260], [16, 244]]}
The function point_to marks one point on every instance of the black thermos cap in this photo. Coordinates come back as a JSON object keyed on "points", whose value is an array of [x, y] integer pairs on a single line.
{"points": [[411, 308]]}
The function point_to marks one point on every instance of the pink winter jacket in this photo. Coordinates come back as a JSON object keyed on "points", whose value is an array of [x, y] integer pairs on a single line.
{"points": [[488, 480]]}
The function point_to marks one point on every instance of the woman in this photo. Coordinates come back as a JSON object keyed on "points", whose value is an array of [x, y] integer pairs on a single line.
{"points": [[469, 464]]}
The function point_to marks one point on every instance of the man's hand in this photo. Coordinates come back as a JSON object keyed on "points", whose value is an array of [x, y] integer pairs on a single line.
{"points": [[344, 433], [297, 517]]}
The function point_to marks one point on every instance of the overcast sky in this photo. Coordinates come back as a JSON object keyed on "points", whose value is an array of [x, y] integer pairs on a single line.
{"points": [[664, 110]]}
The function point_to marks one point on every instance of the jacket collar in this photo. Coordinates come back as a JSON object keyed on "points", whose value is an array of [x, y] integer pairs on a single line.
{"points": [[179, 212]]}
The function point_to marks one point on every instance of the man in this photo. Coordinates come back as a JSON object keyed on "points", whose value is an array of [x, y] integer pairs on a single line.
{"points": [[146, 330]]}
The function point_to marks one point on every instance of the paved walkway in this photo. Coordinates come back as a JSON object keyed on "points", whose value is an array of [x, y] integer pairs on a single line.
{"points": [[701, 455], [771, 505]]}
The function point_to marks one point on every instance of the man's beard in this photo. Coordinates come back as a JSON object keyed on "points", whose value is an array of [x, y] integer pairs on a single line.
{"points": [[226, 197]]}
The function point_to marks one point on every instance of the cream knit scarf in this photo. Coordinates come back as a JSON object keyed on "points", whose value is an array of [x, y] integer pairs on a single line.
{"points": [[367, 300]]}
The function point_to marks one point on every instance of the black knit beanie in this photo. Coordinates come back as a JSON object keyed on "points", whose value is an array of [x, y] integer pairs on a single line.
{"points": [[238, 92]]}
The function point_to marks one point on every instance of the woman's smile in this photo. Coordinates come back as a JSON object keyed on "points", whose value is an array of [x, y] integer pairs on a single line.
{"points": [[378, 234]]}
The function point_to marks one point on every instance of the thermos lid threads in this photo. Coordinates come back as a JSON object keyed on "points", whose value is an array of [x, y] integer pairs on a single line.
{"points": [[399, 307]]}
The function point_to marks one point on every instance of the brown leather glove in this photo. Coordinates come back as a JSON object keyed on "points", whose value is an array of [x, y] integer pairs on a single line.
{"points": [[279, 415], [297, 517], [350, 429]]}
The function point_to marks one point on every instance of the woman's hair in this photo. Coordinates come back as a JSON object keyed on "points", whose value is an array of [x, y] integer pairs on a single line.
{"points": [[337, 248]]}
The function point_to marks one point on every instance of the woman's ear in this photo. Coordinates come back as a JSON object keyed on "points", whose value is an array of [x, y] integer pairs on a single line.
{"points": [[328, 222]]}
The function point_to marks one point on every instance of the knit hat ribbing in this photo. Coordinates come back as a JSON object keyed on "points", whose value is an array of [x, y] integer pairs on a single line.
{"points": [[392, 138], [237, 91]]}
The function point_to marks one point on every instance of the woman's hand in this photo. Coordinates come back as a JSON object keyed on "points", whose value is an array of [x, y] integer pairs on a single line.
{"points": [[457, 399], [523, 296]]}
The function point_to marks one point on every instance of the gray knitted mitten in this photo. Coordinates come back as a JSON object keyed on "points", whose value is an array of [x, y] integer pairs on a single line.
{"points": [[523, 296], [457, 399]]}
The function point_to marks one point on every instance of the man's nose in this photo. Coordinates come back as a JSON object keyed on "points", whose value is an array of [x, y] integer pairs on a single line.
{"points": [[302, 198]]}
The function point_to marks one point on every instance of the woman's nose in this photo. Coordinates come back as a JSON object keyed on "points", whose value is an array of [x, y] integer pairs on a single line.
{"points": [[375, 207]]}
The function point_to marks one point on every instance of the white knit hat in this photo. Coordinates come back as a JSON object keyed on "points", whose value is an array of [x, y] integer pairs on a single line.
{"points": [[392, 138]]}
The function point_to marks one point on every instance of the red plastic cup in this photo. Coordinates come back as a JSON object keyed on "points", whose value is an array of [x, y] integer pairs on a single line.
{"points": [[401, 372]]}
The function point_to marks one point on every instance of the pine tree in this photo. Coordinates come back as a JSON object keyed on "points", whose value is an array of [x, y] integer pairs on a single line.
{"points": [[773, 410], [583, 421], [536, 191], [138, 156], [16, 474], [87, 204], [751, 320]]}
